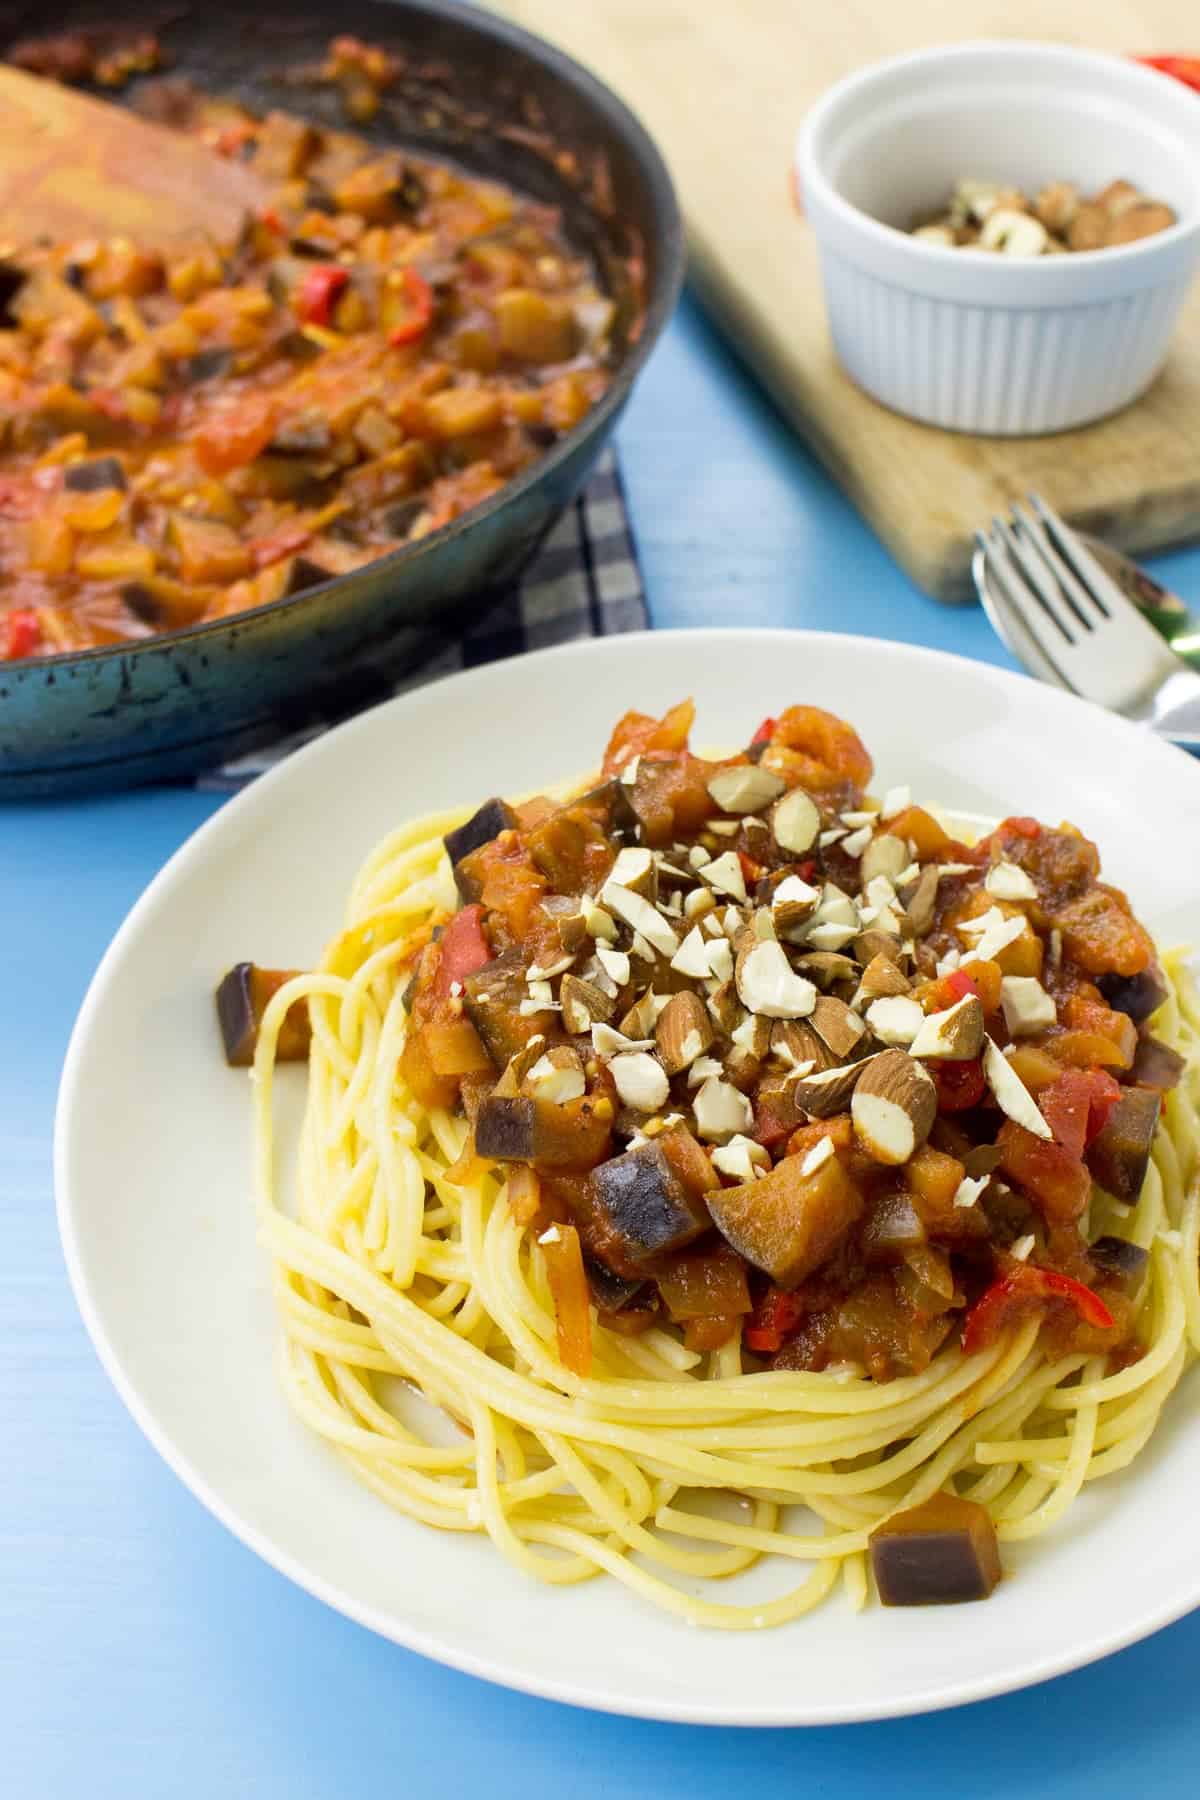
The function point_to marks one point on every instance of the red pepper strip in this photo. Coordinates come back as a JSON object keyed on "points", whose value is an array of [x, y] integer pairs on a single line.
{"points": [[463, 949], [317, 292], [1183, 68], [765, 732], [24, 633], [419, 296], [774, 1318], [960, 1085], [1025, 1281], [959, 983]]}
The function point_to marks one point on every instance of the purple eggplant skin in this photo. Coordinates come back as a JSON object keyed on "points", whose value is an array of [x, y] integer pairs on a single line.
{"points": [[506, 1128], [1138, 996], [493, 817], [235, 1014], [1155, 1065], [492, 1002], [1119, 1155], [938, 1553], [1121, 1261], [94, 474], [646, 1205], [612, 1292]]}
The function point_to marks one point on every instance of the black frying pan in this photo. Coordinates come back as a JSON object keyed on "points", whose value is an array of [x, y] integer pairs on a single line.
{"points": [[496, 100]]}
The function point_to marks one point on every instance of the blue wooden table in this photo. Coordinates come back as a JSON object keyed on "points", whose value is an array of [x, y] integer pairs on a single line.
{"points": [[144, 1654]]}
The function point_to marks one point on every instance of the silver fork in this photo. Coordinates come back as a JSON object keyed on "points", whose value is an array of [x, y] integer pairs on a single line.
{"points": [[1065, 617]]}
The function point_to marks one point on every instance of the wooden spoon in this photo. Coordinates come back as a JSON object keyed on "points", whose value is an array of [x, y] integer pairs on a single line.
{"points": [[73, 167]]}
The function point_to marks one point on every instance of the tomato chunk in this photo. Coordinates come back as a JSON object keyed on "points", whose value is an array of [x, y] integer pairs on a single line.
{"points": [[1055, 1179], [960, 1085], [464, 949]]}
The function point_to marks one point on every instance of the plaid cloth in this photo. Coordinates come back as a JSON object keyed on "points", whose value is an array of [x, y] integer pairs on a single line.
{"points": [[583, 582]]}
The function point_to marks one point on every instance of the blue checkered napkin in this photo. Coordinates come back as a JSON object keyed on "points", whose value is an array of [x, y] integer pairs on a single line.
{"points": [[583, 582]]}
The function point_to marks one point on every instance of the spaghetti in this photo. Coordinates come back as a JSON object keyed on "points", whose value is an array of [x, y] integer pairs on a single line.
{"points": [[664, 1467]]}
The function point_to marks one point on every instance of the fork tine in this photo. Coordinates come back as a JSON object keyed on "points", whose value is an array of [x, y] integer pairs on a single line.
{"points": [[1022, 611], [1073, 594], [1105, 593], [1040, 580]]}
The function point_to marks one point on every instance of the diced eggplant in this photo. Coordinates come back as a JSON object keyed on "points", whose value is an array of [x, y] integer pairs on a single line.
{"points": [[549, 1134], [788, 1223], [399, 520], [242, 999], [12, 280], [492, 1002], [617, 812], [1155, 1065], [936, 1554], [206, 365], [1119, 1155], [892, 1226], [1121, 1261], [612, 1292], [304, 574], [297, 345], [493, 817], [94, 473], [645, 1204], [505, 1128], [1136, 995]]}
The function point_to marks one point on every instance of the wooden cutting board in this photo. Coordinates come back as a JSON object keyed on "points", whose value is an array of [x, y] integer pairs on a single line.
{"points": [[723, 87]]}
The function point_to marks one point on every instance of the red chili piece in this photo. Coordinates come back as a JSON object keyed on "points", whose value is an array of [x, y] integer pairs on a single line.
{"points": [[318, 292], [419, 295], [765, 732], [959, 983], [774, 1318], [24, 633], [1025, 1282]]}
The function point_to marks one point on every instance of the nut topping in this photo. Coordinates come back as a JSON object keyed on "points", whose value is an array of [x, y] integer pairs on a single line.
{"points": [[882, 978], [796, 822], [829, 1091], [893, 1107], [557, 1075], [684, 1031], [745, 789], [691, 958], [1010, 1093], [922, 903], [645, 919], [955, 1035], [641, 1081], [767, 984], [840, 1028], [583, 1005], [1026, 1005], [636, 869], [721, 1112], [1008, 881], [884, 855], [895, 1020]]}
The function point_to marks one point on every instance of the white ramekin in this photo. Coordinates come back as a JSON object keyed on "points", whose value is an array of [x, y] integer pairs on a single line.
{"points": [[981, 342]]}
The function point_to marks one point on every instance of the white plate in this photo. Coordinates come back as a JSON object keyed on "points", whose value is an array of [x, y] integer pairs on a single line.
{"points": [[153, 1161]]}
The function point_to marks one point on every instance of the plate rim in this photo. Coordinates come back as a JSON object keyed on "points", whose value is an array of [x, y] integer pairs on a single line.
{"points": [[384, 1624]]}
